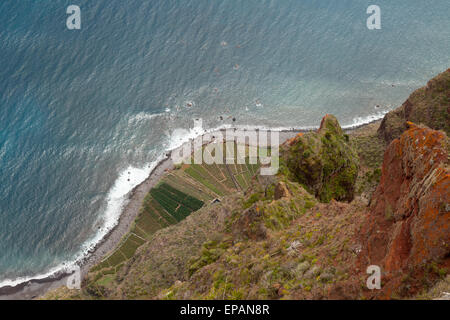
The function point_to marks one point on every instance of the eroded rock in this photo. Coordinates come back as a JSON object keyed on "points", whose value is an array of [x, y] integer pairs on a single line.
{"points": [[281, 191], [324, 162], [408, 227]]}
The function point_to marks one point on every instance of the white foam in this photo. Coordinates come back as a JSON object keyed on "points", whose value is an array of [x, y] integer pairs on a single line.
{"points": [[53, 271], [116, 199], [127, 180], [359, 121], [144, 116], [131, 177], [181, 136]]}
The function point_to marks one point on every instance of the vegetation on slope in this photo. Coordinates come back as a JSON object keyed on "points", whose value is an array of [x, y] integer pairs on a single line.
{"points": [[429, 105], [179, 193], [286, 237], [324, 161], [291, 248]]}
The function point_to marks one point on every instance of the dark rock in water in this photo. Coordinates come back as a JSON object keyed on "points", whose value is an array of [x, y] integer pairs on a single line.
{"points": [[324, 162]]}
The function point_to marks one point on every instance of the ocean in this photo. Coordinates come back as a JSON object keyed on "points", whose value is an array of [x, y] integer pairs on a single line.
{"points": [[86, 114]]}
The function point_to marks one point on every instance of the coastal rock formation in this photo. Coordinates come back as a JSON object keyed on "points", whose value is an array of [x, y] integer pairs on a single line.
{"points": [[407, 232], [429, 105], [275, 240], [324, 162]]}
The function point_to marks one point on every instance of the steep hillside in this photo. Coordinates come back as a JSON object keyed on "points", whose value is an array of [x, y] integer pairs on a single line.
{"points": [[187, 207], [429, 105], [340, 203], [408, 230], [324, 161], [322, 251]]}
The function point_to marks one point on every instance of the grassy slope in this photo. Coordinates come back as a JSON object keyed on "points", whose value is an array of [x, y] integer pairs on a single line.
{"points": [[251, 245], [429, 105], [179, 193], [203, 256]]}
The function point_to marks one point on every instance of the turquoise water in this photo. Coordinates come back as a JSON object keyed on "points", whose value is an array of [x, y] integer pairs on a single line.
{"points": [[81, 109]]}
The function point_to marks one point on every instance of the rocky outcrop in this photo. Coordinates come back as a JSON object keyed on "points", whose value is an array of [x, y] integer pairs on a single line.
{"points": [[408, 227], [429, 105], [323, 161], [250, 225], [276, 241], [281, 191]]}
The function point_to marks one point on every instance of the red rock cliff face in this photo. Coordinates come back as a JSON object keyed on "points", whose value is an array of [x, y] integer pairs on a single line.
{"points": [[408, 226]]}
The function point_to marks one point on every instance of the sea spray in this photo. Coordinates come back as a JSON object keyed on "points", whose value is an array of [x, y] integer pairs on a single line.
{"points": [[131, 177], [76, 89], [116, 199]]}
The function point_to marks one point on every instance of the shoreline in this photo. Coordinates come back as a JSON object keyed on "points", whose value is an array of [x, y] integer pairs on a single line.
{"points": [[35, 288]]}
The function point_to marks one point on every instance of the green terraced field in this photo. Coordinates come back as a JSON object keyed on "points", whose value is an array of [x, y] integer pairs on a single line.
{"points": [[187, 187], [179, 193], [205, 180]]}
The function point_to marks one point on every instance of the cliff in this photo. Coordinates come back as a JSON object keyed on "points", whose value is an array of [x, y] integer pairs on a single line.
{"points": [[324, 162], [340, 203], [429, 105], [407, 231]]}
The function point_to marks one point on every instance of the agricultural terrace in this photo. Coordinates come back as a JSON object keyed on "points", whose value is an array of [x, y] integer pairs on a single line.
{"points": [[180, 192]]}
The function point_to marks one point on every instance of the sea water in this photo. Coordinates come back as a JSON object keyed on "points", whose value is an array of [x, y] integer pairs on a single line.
{"points": [[85, 114]]}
